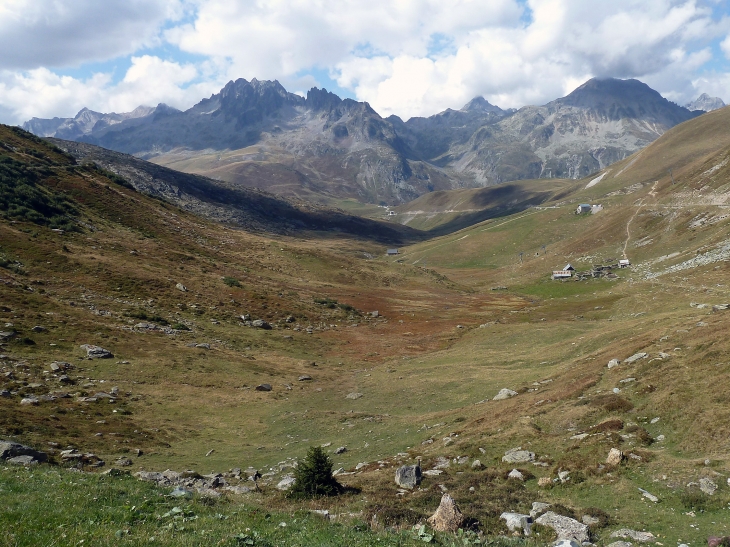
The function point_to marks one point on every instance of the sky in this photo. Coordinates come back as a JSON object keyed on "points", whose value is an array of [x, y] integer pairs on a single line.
{"points": [[404, 57]]}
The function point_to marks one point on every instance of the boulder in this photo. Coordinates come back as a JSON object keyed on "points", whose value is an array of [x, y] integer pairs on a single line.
{"points": [[707, 486], [613, 363], [565, 527], [635, 357], [448, 517], [96, 352], [263, 387], [181, 287], [620, 544], [641, 537], [261, 324], [10, 450], [286, 483], [23, 460], [565, 543], [341, 450], [408, 476], [517, 455], [305, 378], [538, 507], [38, 328], [615, 457], [504, 393], [477, 464], [29, 401], [517, 522], [353, 396], [516, 475]]}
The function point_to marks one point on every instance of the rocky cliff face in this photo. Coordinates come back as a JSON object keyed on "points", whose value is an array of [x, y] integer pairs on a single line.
{"points": [[258, 134]]}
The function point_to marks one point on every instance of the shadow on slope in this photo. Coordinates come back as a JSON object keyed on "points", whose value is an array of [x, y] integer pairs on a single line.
{"points": [[248, 208]]}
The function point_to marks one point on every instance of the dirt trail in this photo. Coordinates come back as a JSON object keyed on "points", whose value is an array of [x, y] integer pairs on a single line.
{"points": [[652, 193]]}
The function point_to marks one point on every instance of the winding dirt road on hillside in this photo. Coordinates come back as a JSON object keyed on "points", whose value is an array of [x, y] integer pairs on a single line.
{"points": [[641, 204]]}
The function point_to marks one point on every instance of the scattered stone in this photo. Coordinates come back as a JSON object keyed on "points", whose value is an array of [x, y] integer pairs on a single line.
{"points": [[360, 466], [341, 450], [338, 471], [515, 474], [181, 287], [4, 393], [538, 507], [641, 537], [96, 352], [544, 481], [477, 464], [622, 544], [23, 460], [660, 438], [517, 522], [565, 543], [29, 401], [286, 483], [504, 393], [353, 396], [613, 363], [408, 476], [261, 324], [720, 307], [580, 436], [442, 463], [7, 335], [202, 346], [647, 495], [432, 472], [38, 328], [655, 420], [565, 527], [123, 462], [707, 486], [636, 357], [180, 492], [374, 314], [263, 387], [448, 517], [114, 472], [615, 457], [564, 476], [589, 520], [517, 455], [305, 378]]}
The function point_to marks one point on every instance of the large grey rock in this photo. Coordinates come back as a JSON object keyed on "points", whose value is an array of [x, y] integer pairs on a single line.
{"points": [[565, 527], [613, 363], [408, 476], [517, 455], [10, 450], [626, 533], [516, 475], [517, 522], [504, 393], [263, 387], [97, 352], [260, 324]]}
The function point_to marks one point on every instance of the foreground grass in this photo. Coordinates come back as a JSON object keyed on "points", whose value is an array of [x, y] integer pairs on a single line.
{"points": [[46, 506]]}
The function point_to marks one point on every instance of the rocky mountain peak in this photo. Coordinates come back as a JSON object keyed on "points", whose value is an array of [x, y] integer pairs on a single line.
{"points": [[321, 99], [705, 103], [615, 99], [480, 104]]}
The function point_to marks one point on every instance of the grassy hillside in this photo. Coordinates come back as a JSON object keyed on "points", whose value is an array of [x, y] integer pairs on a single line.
{"points": [[459, 318], [448, 211]]}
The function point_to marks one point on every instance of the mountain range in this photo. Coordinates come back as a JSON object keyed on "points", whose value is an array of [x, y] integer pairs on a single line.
{"points": [[257, 134]]}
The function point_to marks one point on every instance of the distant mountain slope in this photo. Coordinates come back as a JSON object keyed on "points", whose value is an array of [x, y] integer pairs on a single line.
{"points": [[257, 134], [247, 208]]}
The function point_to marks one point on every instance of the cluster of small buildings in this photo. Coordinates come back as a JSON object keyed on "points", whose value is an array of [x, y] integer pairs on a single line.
{"points": [[588, 208], [598, 270]]}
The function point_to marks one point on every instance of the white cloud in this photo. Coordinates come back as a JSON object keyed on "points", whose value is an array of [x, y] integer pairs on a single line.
{"points": [[149, 81], [57, 33], [407, 57]]}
